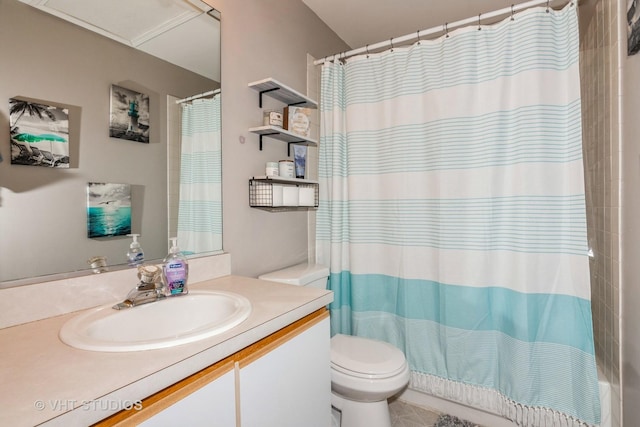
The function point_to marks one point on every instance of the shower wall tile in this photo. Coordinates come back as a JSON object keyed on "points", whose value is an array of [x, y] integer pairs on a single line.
{"points": [[601, 130]]}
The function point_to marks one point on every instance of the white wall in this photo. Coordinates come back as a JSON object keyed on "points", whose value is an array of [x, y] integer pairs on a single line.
{"points": [[260, 39]]}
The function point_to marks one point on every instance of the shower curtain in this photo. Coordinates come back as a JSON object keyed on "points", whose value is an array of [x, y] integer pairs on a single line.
{"points": [[200, 207], [452, 214]]}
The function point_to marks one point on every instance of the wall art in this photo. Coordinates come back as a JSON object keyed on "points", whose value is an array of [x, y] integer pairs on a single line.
{"points": [[39, 134], [129, 115], [297, 120], [108, 209], [633, 27]]}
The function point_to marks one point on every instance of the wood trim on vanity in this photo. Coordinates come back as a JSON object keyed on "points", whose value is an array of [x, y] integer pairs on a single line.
{"points": [[265, 345], [161, 400]]}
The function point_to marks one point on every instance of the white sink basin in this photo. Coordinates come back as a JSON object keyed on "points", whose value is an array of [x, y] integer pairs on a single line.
{"points": [[165, 323]]}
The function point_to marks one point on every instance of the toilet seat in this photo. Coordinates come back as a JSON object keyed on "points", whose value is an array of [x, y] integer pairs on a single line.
{"points": [[366, 358]]}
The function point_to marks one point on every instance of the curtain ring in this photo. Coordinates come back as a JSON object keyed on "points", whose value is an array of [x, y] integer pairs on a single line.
{"points": [[547, 6], [446, 30], [391, 41], [512, 18], [418, 34], [479, 27], [367, 47]]}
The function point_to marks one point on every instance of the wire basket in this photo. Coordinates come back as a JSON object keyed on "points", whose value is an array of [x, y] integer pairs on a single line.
{"points": [[261, 195]]}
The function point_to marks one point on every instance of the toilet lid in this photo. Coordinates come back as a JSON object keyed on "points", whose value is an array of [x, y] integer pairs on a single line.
{"points": [[365, 357]]}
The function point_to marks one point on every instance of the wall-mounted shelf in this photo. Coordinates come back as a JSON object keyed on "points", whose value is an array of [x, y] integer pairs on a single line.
{"points": [[282, 93], [281, 134], [276, 194]]}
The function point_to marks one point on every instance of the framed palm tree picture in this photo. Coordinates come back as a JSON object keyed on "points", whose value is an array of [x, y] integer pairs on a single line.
{"points": [[633, 27], [39, 134]]}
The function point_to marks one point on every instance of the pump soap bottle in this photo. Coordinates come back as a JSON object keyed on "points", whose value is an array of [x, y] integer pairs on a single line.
{"points": [[175, 270], [135, 256]]}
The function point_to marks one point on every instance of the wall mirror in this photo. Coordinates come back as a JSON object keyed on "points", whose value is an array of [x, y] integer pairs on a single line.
{"points": [[86, 59]]}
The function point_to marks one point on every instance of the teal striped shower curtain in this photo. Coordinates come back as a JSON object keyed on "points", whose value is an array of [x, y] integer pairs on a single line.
{"points": [[200, 206], [452, 214]]}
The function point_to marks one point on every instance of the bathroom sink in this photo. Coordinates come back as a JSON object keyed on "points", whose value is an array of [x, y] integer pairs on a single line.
{"points": [[166, 323]]}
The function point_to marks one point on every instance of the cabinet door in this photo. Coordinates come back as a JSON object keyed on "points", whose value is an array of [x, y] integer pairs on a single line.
{"points": [[213, 405], [290, 386]]}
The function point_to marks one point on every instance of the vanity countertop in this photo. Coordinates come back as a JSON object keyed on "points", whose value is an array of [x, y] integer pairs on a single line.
{"points": [[47, 381]]}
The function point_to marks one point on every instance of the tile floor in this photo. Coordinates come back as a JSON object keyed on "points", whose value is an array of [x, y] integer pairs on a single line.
{"points": [[403, 415], [406, 415]]}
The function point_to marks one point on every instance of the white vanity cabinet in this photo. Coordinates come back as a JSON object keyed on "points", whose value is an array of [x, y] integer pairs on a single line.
{"points": [[282, 380], [290, 385], [207, 398], [214, 405]]}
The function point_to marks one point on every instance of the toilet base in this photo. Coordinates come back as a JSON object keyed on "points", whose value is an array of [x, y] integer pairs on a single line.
{"points": [[361, 414]]}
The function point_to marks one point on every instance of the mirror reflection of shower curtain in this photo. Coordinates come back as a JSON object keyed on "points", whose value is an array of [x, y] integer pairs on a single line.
{"points": [[200, 206]]}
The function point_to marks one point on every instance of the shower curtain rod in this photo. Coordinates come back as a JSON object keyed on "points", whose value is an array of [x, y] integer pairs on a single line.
{"points": [[443, 28], [200, 95]]}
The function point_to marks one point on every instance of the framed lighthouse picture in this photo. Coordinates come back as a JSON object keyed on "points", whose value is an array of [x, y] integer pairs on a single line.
{"points": [[129, 115]]}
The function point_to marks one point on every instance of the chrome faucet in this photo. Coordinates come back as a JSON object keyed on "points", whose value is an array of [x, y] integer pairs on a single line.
{"points": [[150, 288]]}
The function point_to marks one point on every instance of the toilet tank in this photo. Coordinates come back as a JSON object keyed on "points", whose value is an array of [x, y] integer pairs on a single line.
{"points": [[305, 274]]}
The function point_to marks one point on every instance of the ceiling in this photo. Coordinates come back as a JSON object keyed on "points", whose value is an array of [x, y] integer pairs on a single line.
{"points": [[178, 31], [157, 26], [362, 22]]}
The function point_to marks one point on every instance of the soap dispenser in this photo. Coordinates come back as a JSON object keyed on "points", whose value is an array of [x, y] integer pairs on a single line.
{"points": [[175, 270], [135, 256]]}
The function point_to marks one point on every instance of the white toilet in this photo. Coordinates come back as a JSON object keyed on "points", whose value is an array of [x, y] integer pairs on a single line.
{"points": [[364, 372]]}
